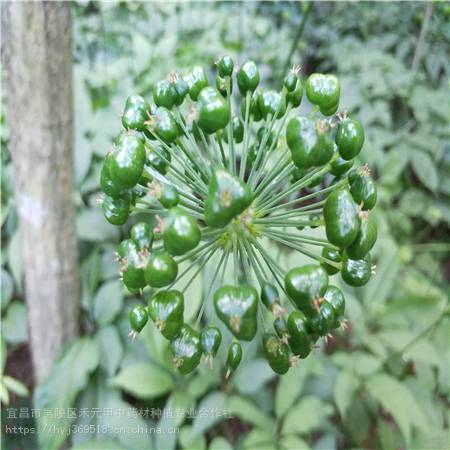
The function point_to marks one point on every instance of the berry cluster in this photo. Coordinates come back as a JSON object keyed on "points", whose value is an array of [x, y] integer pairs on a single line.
{"points": [[223, 176]]}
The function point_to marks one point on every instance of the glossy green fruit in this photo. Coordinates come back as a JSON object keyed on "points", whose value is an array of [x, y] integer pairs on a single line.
{"points": [[271, 104], [356, 272], [213, 110], [165, 94], [349, 138], [133, 268], [236, 307], [280, 327], [329, 110], [335, 298], [166, 309], [323, 90], [142, 235], [182, 89], [365, 239], [225, 66], [254, 111], [124, 247], [228, 197], [339, 166], [342, 219], [116, 209], [270, 297], [158, 158], [106, 184], [161, 269], [196, 81], [127, 162], [276, 353], [247, 77], [295, 97], [135, 113], [333, 255], [309, 142], [306, 284], [169, 197], [221, 86], [323, 151], [164, 125], [210, 340], [323, 322], [269, 140], [138, 318], [290, 81], [364, 190], [298, 329], [181, 232], [238, 130], [234, 357], [186, 350]]}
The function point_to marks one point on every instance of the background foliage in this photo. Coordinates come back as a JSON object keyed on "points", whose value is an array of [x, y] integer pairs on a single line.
{"points": [[383, 383]]}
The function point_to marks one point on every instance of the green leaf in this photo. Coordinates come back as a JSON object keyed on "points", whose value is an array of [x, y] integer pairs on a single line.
{"points": [[259, 439], [15, 323], [249, 412], [345, 386], [111, 349], [67, 378], [7, 288], [308, 415], [425, 169], [15, 259], [290, 386], [220, 443], [212, 403], [99, 445], [15, 386], [294, 443], [177, 403], [253, 376], [92, 226], [189, 442], [143, 380], [108, 302], [396, 398]]}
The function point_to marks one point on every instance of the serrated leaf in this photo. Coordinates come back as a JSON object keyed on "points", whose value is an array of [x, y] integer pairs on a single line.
{"points": [[144, 380], [249, 412], [68, 377], [108, 302], [111, 349], [396, 398], [425, 169], [345, 386]]}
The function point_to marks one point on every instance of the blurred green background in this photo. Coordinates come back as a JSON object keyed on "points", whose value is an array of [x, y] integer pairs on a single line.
{"points": [[384, 382]]}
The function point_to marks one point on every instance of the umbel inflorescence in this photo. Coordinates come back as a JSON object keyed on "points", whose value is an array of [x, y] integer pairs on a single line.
{"points": [[222, 176]]}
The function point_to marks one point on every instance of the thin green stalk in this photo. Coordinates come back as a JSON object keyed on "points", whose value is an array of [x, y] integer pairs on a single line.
{"points": [[222, 152], [246, 135], [270, 233], [285, 162], [208, 293], [295, 187], [200, 268], [301, 249], [232, 156]]}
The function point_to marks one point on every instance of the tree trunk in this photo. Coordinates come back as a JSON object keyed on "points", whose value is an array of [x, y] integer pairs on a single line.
{"points": [[37, 64]]}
